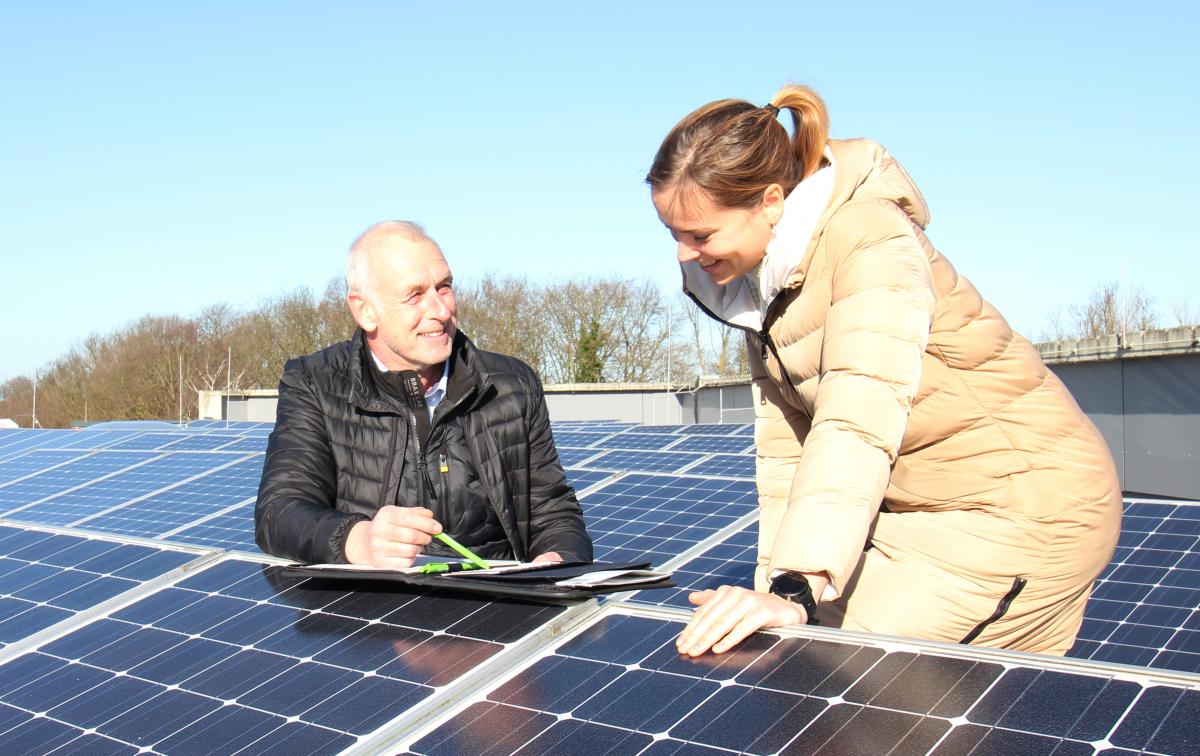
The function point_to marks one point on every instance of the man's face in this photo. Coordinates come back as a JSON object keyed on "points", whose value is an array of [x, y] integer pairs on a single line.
{"points": [[410, 313]]}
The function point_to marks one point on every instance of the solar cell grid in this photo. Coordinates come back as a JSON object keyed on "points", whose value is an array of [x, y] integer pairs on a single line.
{"points": [[93, 498], [729, 444], [729, 562], [661, 516], [576, 439], [713, 429], [201, 442], [188, 503], [728, 465], [82, 471], [238, 656], [32, 462], [92, 439], [247, 443], [643, 461], [620, 685], [583, 479], [19, 440], [1144, 608], [574, 457], [231, 529], [631, 440], [151, 441], [46, 578]]}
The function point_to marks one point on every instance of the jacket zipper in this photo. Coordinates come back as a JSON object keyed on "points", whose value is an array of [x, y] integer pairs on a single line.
{"points": [[423, 484], [1001, 609], [444, 469]]}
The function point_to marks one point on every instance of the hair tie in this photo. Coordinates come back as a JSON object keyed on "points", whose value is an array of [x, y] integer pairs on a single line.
{"points": [[772, 107]]}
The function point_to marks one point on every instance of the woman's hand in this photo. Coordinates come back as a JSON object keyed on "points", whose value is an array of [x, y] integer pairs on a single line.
{"points": [[728, 615]]}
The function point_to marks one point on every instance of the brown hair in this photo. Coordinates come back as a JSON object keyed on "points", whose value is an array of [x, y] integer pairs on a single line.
{"points": [[733, 150]]}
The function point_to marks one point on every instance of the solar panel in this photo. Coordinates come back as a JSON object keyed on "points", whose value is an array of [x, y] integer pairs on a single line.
{"points": [[247, 443], [661, 516], [574, 457], [21, 440], [29, 463], [643, 461], [620, 686], [184, 505], [730, 444], [1144, 608], [232, 528], [202, 442], [729, 562], [636, 441], [150, 441], [238, 656], [714, 429], [576, 439], [80, 472], [583, 479], [121, 488], [728, 465], [48, 577]]}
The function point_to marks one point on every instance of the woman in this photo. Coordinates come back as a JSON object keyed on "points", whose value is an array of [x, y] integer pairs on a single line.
{"points": [[920, 471]]}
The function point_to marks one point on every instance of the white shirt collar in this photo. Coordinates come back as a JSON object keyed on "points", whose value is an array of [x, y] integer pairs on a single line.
{"points": [[436, 392]]}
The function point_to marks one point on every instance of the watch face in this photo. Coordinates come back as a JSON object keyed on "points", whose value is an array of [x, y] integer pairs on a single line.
{"points": [[789, 585]]}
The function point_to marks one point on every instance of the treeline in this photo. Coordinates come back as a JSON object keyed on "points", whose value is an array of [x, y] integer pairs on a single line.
{"points": [[608, 329]]}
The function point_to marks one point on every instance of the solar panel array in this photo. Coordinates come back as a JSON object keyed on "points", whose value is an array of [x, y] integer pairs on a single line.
{"points": [[137, 614]]}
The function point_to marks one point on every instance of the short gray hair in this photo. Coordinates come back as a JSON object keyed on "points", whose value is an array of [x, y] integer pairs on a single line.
{"points": [[358, 259]]}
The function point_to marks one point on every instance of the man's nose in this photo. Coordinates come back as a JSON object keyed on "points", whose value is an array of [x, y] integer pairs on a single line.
{"points": [[437, 308], [685, 253]]}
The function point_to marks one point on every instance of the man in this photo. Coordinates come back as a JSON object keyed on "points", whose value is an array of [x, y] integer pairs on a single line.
{"points": [[383, 441]]}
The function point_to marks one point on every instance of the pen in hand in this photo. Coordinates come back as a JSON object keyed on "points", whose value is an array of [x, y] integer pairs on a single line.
{"points": [[463, 551]]}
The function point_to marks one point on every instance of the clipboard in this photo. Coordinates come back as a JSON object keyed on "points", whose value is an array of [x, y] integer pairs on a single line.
{"points": [[560, 583]]}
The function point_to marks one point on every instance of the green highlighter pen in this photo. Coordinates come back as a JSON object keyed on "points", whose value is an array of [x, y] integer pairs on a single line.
{"points": [[463, 551], [438, 568]]}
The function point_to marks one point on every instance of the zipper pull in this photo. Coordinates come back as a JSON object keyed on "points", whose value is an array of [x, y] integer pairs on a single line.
{"points": [[443, 462]]}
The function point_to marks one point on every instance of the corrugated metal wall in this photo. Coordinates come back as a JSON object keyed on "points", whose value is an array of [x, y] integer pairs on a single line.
{"points": [[1149, 412]]}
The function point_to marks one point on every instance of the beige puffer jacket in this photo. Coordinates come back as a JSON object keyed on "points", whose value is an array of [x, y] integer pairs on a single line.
{"points": [[900, 385]]}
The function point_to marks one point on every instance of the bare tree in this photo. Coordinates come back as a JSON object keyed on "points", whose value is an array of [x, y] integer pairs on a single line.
{"points": [[1108, 312], [720, 349], [504, 315]]}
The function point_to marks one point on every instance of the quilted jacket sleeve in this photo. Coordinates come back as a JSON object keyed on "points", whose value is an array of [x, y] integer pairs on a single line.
{"points": [[875, 332], [295, 516], [555, 518], [778, 428]]}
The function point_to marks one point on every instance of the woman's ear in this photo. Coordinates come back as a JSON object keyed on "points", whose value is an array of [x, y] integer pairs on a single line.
{"points": [[772, 203]]}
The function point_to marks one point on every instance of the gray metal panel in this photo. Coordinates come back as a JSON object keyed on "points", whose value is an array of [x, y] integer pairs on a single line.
{"points": [[1097, 387], [1162, 426]]}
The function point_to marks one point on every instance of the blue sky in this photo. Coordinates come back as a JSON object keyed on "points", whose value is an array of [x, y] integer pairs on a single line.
{"points": [[160, 157]]}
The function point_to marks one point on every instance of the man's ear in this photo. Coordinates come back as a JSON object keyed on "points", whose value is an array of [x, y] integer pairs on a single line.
{"points": [[362, 311]]}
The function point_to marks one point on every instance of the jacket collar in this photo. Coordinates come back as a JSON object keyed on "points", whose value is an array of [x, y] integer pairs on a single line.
{"points": [[467, 375]]}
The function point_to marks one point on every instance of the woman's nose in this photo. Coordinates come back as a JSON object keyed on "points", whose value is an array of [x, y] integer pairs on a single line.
{"points": [[685, 253]]}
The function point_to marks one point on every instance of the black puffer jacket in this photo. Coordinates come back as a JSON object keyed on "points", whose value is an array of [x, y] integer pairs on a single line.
{"points": [[331, 456]]}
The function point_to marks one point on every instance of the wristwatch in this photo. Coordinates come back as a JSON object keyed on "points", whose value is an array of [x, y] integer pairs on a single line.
{"points": [[793, 586]]}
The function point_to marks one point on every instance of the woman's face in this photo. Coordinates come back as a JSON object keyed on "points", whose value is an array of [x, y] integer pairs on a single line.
{"points": [[727, 242]]}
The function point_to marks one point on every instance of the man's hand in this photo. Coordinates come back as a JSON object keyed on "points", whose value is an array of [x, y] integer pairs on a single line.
{"points": [[393, 539], [549, 556], [729, 614]]}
